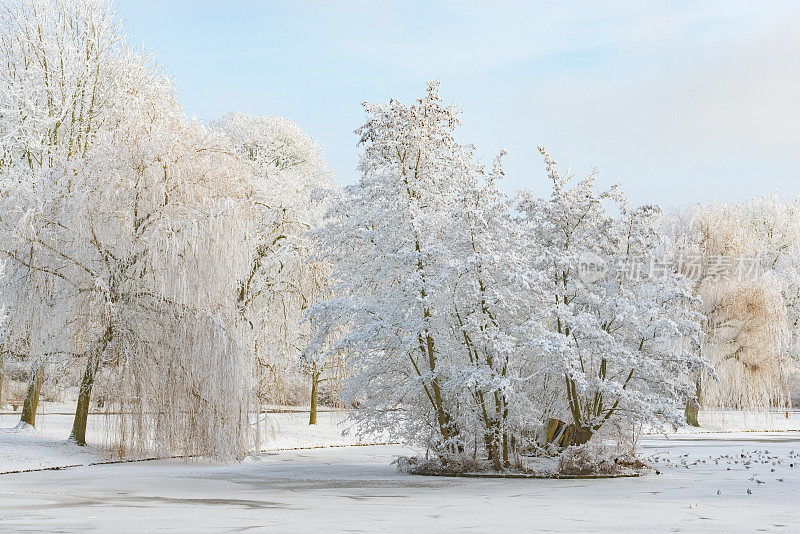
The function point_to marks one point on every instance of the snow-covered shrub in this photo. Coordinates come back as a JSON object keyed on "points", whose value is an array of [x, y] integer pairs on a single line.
{"points": [[594, 458]]}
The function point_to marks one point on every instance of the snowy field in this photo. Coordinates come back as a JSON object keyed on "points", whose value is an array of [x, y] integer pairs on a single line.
{"points": [[46, 445], [355, 489]]}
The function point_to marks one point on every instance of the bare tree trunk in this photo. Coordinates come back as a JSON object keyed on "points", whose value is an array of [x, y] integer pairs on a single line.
{"points": [[506, 463], [496, 438], [691, 411], [582, 435], [693, 407], [78, 434], [32, 398], [312, 419]]}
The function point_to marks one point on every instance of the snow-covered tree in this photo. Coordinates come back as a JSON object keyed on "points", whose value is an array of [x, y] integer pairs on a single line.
{"points": [[173, 218], [386, 240], [623, 342], [747, 277], [493, 315], [463, 314], [58, 88], [289, 177], [125, 224]]}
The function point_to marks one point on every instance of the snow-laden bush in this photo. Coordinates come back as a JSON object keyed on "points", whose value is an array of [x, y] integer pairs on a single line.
{"points": [[597, 459]]}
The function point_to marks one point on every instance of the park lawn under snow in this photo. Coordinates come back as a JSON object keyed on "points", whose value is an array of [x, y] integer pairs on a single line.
{"points": [[357, 489], [46, 446]]}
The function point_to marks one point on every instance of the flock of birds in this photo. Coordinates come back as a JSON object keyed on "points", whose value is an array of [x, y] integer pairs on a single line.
{"points": [[749, 460]]}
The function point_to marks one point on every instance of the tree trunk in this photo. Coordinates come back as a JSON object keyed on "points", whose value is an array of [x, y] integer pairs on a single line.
{"points": [[495, 456], [692, 410], [487, 442], [32, 398], [497, 433], [441, 415], [554, 427], [693, 407], [506, 463], [582, 435], [312, 419], [78, 434]]}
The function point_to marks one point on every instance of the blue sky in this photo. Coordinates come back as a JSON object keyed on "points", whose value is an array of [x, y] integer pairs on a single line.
{"points": [[681, 102]]}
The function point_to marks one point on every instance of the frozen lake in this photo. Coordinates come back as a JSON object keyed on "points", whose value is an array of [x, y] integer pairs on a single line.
{"points": [[355, 489]]}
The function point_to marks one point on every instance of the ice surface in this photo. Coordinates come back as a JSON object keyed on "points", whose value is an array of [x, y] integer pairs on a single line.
{"points": [[357, 489]]}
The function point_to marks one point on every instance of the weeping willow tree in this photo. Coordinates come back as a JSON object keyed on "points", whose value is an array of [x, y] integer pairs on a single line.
{"points": [[747, 335], [180, 352], [62, 69], [744, 257], [124, 225], [288, 175]]}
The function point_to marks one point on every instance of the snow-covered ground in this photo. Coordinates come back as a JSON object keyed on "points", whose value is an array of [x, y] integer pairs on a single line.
{"points": [[702, 486], [46, 445], [738, 421]]}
